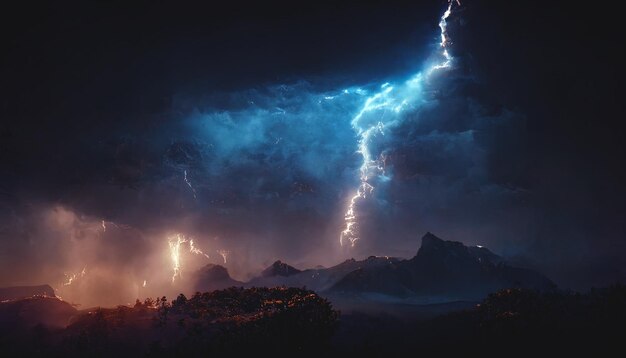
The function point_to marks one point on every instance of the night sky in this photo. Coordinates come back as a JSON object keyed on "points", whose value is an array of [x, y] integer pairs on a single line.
{"points": [[233, 126]]}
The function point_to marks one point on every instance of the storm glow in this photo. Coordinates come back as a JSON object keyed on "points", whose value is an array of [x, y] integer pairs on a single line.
{"points": [[381, 110]]}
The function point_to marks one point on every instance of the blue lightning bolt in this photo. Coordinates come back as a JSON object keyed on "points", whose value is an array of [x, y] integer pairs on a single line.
{"points": [[188, 182], [381, 110]]}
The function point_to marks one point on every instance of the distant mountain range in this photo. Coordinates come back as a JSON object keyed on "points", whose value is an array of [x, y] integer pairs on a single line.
{"points": [[440, 271]]}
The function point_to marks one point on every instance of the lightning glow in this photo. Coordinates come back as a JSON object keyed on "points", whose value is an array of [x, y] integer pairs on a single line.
{"points": [[175, 254], [104, 224], [188, 182], [144, 283], [73, 277], [175, 242], [224, 254], [379, 111], [195, 250]]}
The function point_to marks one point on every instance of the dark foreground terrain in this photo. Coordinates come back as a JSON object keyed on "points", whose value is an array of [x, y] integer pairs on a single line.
{"points": [[291, 321]]}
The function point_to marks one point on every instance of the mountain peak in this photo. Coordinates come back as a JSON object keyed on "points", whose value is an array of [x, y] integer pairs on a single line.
{"points": [[431, 244], [213, 277], [214, 272], [440, 269], [279, 268], [429, 239], [429, 236]]}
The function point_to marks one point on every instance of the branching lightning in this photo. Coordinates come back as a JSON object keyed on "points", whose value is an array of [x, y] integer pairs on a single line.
{"points": [[188, 182], [224, 254], [175, 242], [380, 110], [73, 277], [104, 225], [196, 250], [175, 253]]}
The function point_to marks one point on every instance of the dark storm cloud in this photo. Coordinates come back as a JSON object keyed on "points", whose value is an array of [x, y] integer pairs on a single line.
{"points": [[494, 154], [562, 67], [440, 158]]}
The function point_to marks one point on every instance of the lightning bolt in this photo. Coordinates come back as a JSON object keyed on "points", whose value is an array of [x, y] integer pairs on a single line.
{"points": [[381, 110], [189, 184], [104, 224], [175, 242], [73, 277], [70, 279], [175, 254], [224, 254], [196, 250]]}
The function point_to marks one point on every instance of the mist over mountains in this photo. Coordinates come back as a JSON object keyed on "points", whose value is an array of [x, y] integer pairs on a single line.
{"points": [[441, 271]]}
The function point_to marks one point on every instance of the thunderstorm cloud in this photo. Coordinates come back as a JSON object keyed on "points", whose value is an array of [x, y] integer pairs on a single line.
{"points": [[265, 168]]}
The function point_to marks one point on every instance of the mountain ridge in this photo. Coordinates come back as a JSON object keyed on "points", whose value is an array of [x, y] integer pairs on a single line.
{"points": [[448, 270]]}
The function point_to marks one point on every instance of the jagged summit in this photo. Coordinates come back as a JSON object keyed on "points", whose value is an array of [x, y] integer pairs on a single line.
{"points": [[213, 277], [432, 245], [441, 268], [440, 271], [279, 268], [214, 272]]}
